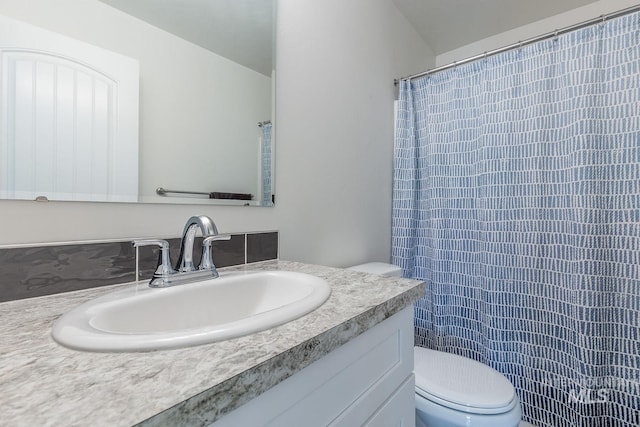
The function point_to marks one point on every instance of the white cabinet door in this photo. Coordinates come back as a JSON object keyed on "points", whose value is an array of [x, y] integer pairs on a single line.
{"points": [[399, 410]]}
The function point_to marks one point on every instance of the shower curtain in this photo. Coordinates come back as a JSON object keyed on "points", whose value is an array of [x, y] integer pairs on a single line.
{"points": [[266, 166], [517, 200]]}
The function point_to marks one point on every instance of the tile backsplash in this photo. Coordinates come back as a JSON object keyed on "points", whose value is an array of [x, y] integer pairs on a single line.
{"points": [[262, 246], [27, 272]]}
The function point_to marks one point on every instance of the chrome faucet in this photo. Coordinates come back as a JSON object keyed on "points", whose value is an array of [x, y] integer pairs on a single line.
{"points": [[207, 228], [185, 270]]}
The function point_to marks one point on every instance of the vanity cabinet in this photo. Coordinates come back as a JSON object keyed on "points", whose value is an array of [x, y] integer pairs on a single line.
{"points": [[366, 382]]}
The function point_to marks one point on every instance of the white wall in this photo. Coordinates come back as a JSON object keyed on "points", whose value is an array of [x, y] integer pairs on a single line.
{"points": [[336, 63], [410, 54], [544, 26]]}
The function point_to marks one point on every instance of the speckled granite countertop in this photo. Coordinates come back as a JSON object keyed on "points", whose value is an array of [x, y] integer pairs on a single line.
{"points": [[45, 384]]}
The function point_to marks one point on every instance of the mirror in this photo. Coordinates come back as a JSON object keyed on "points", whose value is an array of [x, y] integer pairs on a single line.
{"points": [[152, 101]]}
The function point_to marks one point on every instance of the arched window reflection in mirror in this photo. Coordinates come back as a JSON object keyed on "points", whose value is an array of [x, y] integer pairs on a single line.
{"points": [[204, 73]]}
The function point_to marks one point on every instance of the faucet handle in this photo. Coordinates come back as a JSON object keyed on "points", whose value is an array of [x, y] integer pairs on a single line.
{"points": [[207, 253], [163, 244], [164, 260], [208, 240]]}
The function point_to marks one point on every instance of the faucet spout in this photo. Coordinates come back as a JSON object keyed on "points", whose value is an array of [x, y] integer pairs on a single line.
{"points": [[207, 227]]}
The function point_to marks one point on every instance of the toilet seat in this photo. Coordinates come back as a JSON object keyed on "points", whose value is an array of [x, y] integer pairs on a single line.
{"points": [[461, 384]]}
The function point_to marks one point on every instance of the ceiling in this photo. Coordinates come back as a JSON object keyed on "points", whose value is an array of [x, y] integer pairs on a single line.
{"points": [[446, 25], [240, 30]]}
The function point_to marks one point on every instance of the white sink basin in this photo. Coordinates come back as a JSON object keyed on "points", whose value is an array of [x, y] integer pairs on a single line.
{"points": [[140, 318]]}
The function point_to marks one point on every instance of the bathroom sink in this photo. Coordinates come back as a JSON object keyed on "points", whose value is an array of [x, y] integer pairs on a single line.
{"points": [[140, 318]]}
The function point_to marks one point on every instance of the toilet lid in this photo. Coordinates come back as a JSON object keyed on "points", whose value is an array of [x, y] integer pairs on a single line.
{"points": [[460, 381]]}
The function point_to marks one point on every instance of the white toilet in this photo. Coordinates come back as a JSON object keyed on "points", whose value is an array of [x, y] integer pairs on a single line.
{"points": [[455, 391]]}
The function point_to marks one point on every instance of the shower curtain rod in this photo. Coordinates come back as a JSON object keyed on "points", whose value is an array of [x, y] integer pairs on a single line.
{"points": [[584, 24]]}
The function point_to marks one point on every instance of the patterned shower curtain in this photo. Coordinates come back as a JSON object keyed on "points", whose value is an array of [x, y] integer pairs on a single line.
{"points": [[266, 166], [517, 200]]}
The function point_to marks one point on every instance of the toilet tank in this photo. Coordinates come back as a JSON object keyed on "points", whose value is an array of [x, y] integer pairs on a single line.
{"points": [[381, 268]]}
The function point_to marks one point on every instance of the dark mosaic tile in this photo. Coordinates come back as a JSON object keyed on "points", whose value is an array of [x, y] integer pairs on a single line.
{"points": [[30, 272], [47, 270], [262, 246], [229, 252]]}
